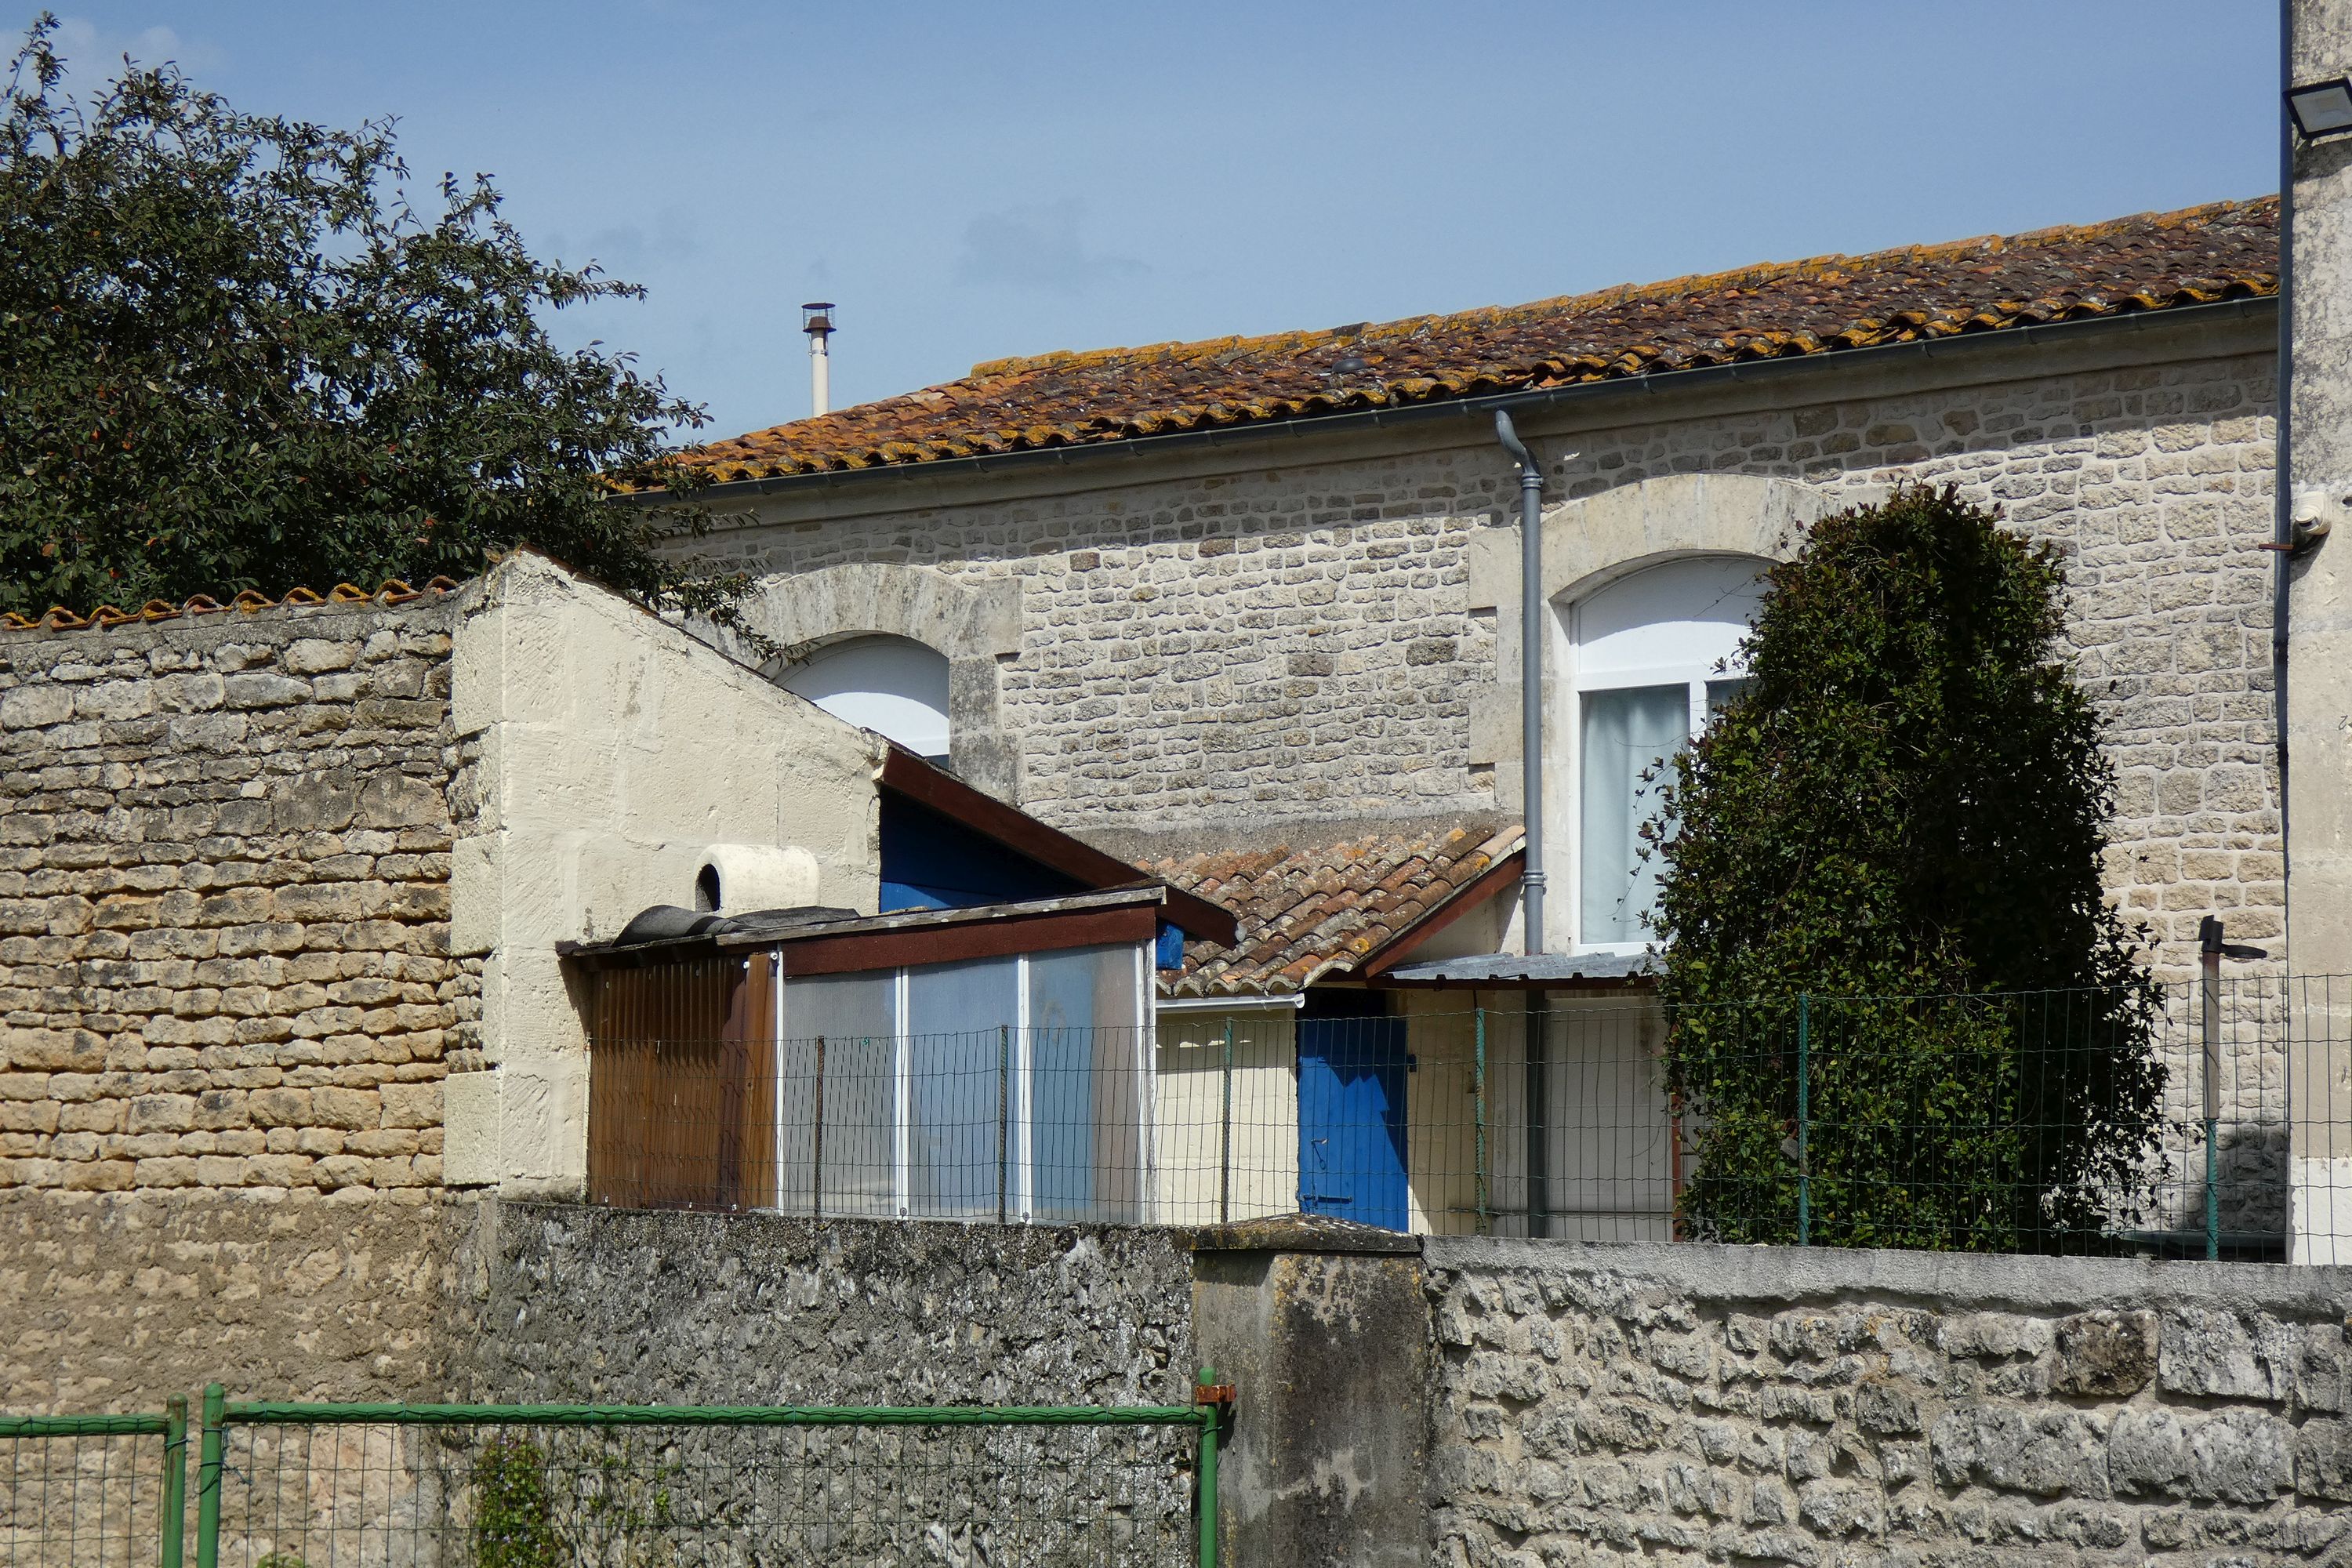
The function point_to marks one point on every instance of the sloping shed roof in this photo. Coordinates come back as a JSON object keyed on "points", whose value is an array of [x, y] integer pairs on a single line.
{"points": [[1323, 911], [2154, 262]]}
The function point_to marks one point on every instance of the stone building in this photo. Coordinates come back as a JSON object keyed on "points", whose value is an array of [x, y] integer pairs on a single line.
{"points": [[1248, 612], [1209, 597]]}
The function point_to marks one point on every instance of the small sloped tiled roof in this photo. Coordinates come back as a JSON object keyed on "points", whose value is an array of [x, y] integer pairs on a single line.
{"points": [[2149, 262], [1305, 913], [107, 616]]}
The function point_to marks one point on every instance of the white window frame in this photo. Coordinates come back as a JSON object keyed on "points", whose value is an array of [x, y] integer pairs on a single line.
{"points": [[1695, 674]]}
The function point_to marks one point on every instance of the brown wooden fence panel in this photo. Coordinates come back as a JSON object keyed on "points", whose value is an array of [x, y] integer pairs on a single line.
{"points": [[680, 1085]]}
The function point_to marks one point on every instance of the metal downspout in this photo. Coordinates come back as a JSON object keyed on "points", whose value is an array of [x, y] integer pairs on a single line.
{"points": [[1531, 880]]}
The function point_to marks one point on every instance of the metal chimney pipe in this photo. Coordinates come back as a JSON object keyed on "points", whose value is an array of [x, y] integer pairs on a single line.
{"points": [[816, 320]]}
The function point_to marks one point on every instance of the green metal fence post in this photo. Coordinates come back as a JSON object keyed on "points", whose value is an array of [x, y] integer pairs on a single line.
{"points": [[1225, 1135], [1478, 1117], [2210, 985], [1804, 1119], [1208, 1474], [208, 1477], [1004, 1099], [1538, 1069], [175, 1478]]}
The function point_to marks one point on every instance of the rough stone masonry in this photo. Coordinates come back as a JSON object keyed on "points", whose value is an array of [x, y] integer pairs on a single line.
{"points": [[1727, 1404]]}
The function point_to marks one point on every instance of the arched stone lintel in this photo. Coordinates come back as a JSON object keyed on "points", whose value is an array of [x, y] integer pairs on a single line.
{"points": [[862, 597], [974, 626]]}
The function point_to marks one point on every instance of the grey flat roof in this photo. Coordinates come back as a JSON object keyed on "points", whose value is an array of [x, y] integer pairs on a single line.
{"points": [[1505, 970], [764, 928]]}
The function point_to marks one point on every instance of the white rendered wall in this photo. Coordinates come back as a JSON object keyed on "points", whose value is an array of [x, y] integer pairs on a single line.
{"points": [[609, 750], [1261, 1161]]}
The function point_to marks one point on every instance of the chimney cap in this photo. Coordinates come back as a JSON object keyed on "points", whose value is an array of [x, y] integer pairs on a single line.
{"points": [[816, 317]]}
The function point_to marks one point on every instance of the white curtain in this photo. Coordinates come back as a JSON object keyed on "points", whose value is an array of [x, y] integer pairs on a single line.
{"points": [[1627, 733]]}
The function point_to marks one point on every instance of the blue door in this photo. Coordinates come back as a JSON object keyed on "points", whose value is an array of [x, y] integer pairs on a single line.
{"points": [[1351, 1152]]}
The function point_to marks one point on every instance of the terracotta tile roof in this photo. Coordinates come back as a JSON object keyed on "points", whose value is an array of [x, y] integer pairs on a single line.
{"points": [[107, 616], [2150, 262], [1305, 914]]}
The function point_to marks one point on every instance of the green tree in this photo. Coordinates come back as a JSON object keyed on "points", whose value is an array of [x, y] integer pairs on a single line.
{"points": [[1902, 820], [233, 356]]}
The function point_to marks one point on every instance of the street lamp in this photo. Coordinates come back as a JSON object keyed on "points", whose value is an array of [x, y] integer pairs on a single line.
{"points": [[2321, 108]]}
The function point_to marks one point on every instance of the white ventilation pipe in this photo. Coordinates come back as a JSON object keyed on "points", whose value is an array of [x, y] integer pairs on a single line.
{"points": [[816, 320], [739, 877]]}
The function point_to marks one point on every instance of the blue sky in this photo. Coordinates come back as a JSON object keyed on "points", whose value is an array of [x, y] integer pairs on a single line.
{"points": [[974, 181]]}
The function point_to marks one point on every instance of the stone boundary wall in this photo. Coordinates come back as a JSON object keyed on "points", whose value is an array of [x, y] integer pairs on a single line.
{"points": [[1738, 1404], [1469, 1402], [115, 1302], [567, 1303], [225, 901]]}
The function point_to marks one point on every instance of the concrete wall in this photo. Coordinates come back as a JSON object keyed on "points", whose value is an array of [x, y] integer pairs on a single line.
{"points": [[603, 752], [1275, 636], [2319, 652], [1726, 1404], [118, 1301]]}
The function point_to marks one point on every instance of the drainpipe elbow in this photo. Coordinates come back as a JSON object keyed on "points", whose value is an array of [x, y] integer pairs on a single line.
{"points": [[1508, 435]]}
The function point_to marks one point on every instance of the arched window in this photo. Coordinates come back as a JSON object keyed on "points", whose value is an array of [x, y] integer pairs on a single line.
{"points": [[1651, 655], [893, 685]]}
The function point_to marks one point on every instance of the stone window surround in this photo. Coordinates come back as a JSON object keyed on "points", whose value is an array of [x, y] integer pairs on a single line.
{"points": [[976, 628], [1589, 544]]}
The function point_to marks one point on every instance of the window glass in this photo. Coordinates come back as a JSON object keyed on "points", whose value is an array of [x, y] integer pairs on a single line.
{"points": [[1627, 735], [893, 685], [1084, 1116], [1720, 693], [1654, 654], [959, 1052], [840, 1053]]}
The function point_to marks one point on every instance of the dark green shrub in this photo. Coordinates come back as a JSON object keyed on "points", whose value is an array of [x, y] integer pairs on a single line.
{"points": [[1905, 809]]}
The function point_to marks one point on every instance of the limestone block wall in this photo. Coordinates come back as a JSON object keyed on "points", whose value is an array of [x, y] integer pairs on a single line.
{"points": [[1271, 637], [602, 753], [1745, 1405], [225, 903]]}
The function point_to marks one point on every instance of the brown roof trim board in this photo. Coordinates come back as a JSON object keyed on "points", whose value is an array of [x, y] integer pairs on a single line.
{"points": [[2225, 253], [908, 774], [1009, 930], [904, 937], [1407, 941]]}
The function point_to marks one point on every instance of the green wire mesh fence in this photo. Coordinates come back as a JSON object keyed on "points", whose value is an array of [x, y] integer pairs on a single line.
{"points": [[2055, 1121], [94, 1491], [326, 1486]]}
